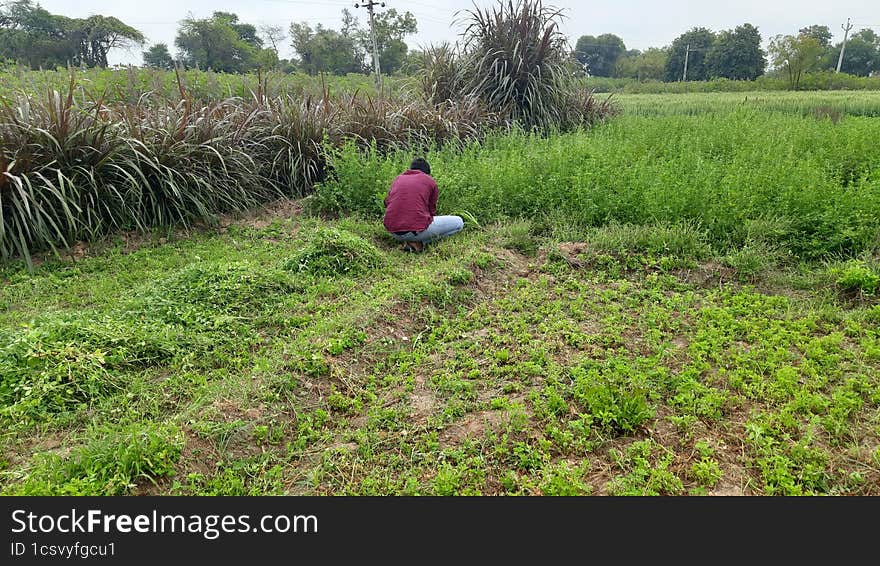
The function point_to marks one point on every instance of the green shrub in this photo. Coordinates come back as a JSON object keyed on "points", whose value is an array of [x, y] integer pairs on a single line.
{"points": [[857, 277]]}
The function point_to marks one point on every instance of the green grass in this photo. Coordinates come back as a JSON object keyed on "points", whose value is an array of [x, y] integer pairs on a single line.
{"points": [[128, 85], [668, 305], [821, 104], [743, 182], [499, 362]]}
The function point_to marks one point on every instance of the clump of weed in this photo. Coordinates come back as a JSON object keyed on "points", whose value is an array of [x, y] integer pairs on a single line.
{"points": [[681, 240], [857, 279], [57, 363], [459, 276], [706, 471], [110, 464], [564, 480], [258, 475], [335, 252], [752, 259], [645, 465], [196, 294], [614, 407], [519, 236]]}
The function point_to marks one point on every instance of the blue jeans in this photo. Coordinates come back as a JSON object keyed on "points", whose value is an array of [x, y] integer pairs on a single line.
{"points": [[441, 227]]}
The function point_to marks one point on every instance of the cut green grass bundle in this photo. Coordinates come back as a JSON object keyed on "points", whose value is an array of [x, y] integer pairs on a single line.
{"points": [[59, 363], [332, 251], [210, 293]]}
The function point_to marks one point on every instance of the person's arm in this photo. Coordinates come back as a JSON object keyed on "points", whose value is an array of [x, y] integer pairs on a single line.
{"points": [[435, 194]]}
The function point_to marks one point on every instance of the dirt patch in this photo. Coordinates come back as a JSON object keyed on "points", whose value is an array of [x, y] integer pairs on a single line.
{"points": [[471, 426], [232, 411], [264, 216], [199, 456], [572, 250], [422, 400], [707, 275]]}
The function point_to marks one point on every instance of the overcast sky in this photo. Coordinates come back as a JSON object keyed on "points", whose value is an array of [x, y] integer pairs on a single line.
{"points": [[641, 23]]}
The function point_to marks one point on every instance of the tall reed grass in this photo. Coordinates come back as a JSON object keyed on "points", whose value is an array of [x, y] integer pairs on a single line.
{"points": [[73, 169]]}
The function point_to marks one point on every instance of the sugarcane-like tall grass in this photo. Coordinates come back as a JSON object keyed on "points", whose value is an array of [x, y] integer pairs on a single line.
{"points": [[514, 60], [75, 168]]}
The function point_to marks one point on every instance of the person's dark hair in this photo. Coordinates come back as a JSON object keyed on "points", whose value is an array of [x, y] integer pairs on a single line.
{"points": [[420, 164]]}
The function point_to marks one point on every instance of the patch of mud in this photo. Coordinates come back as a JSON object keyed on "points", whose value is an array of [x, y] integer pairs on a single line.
{"points": [[473, 425], [264, 216], [706, 275]]}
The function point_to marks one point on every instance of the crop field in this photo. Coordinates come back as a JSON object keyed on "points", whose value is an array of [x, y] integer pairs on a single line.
{"points": [[831, 104], [684, 299]]}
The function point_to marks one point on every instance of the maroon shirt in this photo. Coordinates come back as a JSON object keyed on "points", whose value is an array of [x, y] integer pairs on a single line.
{"points": [[411, 203]]}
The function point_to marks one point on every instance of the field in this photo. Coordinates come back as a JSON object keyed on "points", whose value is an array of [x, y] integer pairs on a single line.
{"points": [[831, 104], [682, 300]]}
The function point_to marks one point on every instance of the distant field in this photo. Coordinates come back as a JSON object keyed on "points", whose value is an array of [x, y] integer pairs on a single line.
{"points": [[821, 103], [861, 95], [131, 84]]}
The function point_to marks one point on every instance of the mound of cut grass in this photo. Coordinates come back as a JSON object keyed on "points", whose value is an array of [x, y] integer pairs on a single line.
{"points": [[199, 293], [58, 363], [335, 252]]}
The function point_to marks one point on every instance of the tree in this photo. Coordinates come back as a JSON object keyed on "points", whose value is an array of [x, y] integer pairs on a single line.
{"points": [[820, 33], [736, 54], [273, 35], [220, 43], [795, 55], [31, 35], [95, 36], [647, 65], [325, 50], [862, 55], [599, 55], [246, 32], [158, 57], [345, 51], [700, 41], [391, 28]]}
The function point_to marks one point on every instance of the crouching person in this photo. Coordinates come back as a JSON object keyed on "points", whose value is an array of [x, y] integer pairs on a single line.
{"points": [[411, 208]]}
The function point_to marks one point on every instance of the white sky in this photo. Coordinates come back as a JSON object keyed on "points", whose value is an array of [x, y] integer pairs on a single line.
{"points": [[641, 23]]}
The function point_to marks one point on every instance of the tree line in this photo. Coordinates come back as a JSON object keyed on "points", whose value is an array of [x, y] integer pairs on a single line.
{"points": [[32, 36], [732, 54]]}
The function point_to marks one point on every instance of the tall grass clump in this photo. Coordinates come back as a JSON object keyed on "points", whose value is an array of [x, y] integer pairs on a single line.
{"points": [[114, 462], [514, 59]]}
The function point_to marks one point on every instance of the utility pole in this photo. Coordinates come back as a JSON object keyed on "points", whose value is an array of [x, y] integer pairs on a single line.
{"points": [[845, 29], [370, 5], [684, 76]]}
